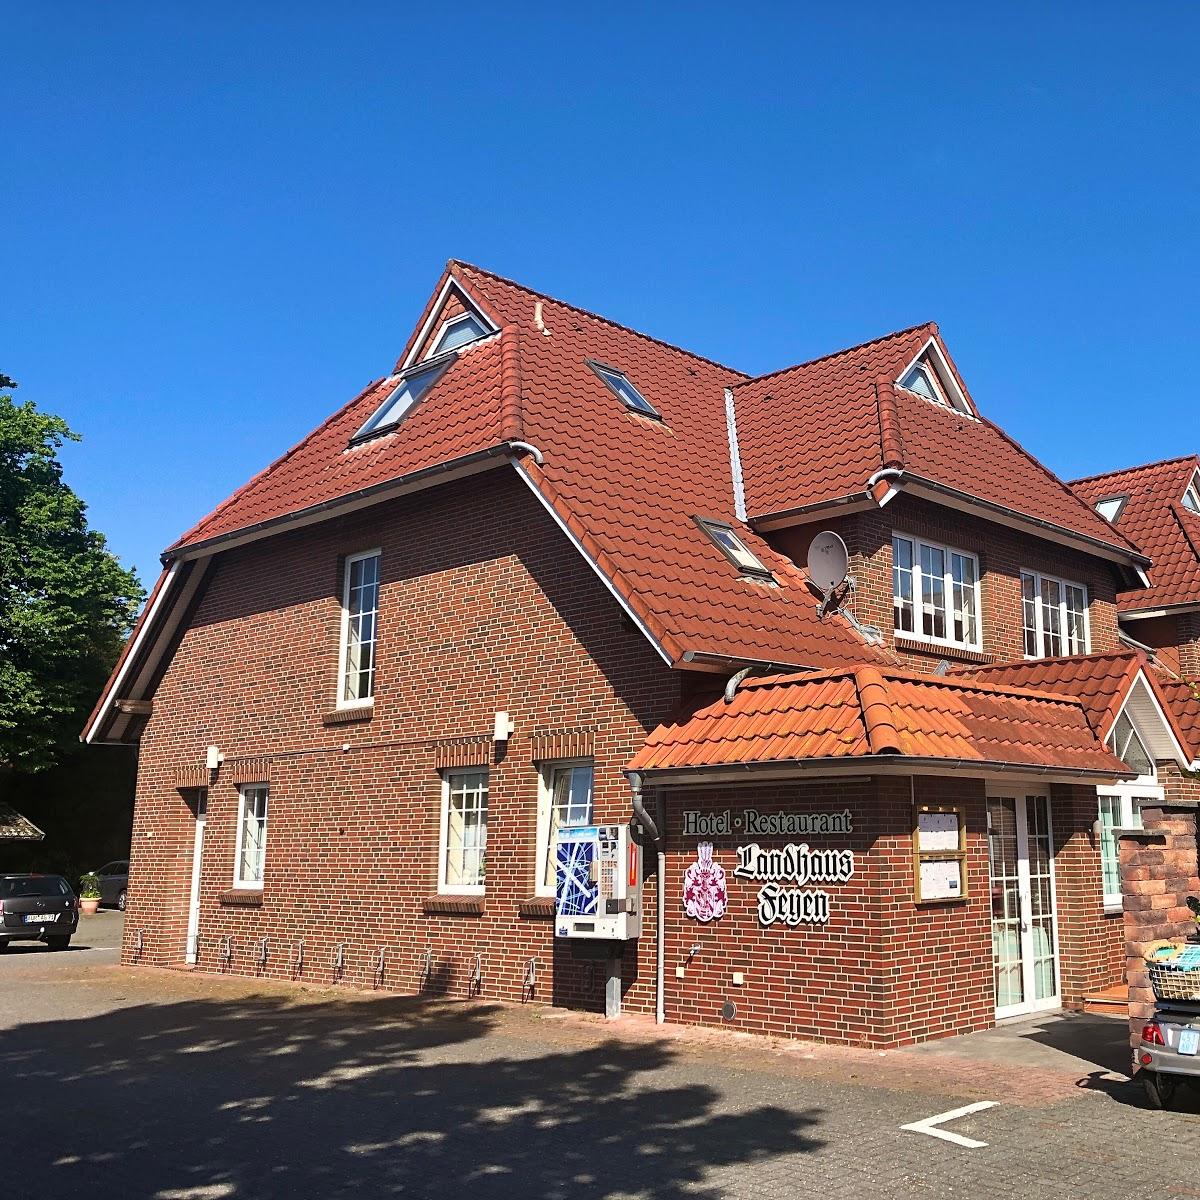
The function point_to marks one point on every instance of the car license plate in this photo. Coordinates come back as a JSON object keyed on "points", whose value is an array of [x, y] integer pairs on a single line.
{"points": [[1189, 1041], [40, 918]]}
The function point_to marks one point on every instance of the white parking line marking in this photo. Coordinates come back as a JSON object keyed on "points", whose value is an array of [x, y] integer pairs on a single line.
{"points": [[928, 1125]]}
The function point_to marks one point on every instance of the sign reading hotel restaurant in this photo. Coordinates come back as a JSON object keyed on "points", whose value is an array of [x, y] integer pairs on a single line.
{"points": [[775, 867], [752, 823]]}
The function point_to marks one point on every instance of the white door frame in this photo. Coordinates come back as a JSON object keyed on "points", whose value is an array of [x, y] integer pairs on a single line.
{"points": [[1020, 795], [191, 946]]}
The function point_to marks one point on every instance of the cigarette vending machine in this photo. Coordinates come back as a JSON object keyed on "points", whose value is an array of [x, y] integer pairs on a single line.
{"points": [[598, 893]]}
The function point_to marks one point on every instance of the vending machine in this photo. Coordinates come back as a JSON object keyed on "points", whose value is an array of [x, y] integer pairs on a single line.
{"points": [[598, 893]]}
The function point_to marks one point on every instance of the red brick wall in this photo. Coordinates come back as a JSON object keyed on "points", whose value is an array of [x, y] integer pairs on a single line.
{"points": [[484, 606], [1002, 555], [883, 972]]}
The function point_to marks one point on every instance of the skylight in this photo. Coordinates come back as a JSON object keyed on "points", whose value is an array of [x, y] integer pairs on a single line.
{"points": [[404, 396], [733, 548], [458, 331], [621, 387], [1191, 498], [920, 379], [1110, 508]]}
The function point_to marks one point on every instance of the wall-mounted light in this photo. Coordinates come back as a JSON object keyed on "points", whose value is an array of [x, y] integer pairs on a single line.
{"points": [[213, 758], [503, 727]]}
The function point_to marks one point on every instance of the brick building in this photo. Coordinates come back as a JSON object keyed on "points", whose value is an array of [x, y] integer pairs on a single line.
{"points": [[550, 569]]}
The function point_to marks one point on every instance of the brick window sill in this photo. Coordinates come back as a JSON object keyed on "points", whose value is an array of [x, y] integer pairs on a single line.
{"points": [[348, 716], [537, 908], [453, 906], [958, 653], [241, 898]]}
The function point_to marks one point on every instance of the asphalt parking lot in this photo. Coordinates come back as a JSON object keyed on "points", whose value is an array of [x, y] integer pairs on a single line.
{"points": [[147, 1083]]}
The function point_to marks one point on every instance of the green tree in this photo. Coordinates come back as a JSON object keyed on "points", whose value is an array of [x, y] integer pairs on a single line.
{"points": [[66, 603]]}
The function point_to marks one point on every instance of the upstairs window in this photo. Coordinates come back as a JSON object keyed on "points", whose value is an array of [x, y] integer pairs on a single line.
{"points": [[360, 616], [1110, 508], [935, 593], [734, 548], [920, 379], [619, 384], [1130, 748], [1054, 616], [1191, 497], [565, 800], [411, 389], [458, 331]]}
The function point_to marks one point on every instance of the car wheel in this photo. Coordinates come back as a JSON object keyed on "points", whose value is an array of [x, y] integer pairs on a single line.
{"points": [[121, 900], [58, 943], [1160, 1089]]}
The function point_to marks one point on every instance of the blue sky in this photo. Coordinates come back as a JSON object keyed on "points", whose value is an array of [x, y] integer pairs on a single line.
{"points": [[219, 221]]}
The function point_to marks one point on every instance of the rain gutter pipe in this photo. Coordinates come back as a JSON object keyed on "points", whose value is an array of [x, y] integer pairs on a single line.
{"points": [[660, 912]]}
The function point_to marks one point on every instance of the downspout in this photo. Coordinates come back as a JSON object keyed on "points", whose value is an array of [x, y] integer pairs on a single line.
{"points": [[660, 911]]}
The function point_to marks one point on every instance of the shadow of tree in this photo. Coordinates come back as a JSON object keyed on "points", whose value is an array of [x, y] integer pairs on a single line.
{"points": [[258, 1097]]}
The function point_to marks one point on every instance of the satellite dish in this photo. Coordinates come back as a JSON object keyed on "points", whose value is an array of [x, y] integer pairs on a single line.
{"points": [[828, 561]]}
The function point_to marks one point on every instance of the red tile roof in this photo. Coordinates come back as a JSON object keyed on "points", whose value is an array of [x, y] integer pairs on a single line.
{"points": [[816, 433], [1100, 682], [1157, 523], [1182, 699], [868, 712]]}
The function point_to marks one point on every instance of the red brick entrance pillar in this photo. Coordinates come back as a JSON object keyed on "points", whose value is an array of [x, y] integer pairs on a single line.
{"points": [[1158, 873]]}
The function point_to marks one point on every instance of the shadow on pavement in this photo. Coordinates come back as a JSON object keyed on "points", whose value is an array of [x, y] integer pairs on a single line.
{"points": [[257, 1097]]}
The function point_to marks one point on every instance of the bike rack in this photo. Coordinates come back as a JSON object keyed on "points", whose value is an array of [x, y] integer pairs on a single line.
{"points": [[476, 984], [298, 957], [339, 960], [262, 953], [426, 961], [379, 968], [139, 942], [226, 951], [529, 983]]}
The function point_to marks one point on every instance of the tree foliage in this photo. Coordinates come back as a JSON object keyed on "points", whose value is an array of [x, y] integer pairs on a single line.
{"points": [[66, 603]]}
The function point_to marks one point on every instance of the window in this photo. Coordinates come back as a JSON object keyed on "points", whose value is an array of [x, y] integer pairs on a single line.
{"points": [[1130, 748], [620, 386], [458, 331], [1054, 616], [565, 799], [252, 837], [360, 616], [1121, 806], [935, 593], [1110, 508], [1191, 497], [464, 832], [921, 379], [733, 548], [405, 395]]}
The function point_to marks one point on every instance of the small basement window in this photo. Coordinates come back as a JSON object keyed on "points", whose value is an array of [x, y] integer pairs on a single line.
{"points": [[733, 548], [619, 384], [1110, 508], [404, 396], [458, 331]]}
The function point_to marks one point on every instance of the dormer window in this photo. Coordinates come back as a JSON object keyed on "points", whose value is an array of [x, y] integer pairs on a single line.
{"points": [[407, 393], [1130, 748], [920, 379], [1110, 508], [734, 548], [458, 331], [619, 384], [1191, 498]]}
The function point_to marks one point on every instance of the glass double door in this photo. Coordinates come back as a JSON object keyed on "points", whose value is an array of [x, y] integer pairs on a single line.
{"points": [[1024, 931]]}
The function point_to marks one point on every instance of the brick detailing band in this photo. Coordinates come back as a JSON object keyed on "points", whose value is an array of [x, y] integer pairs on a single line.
{"points": [[462, 752], [248, 770], [549, 745], [193, 775]]}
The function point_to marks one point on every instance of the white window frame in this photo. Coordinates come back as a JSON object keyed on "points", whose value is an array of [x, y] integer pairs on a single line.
{"points": [[1192, 492], [344, 649], [545, 807], [460, 889], [916, 634], [241, 884], [436, 344], [1130, 798], [1039, 614], [1111, 507]]}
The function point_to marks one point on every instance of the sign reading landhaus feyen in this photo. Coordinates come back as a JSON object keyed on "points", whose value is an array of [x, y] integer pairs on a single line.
{"points": [[775, 867]]}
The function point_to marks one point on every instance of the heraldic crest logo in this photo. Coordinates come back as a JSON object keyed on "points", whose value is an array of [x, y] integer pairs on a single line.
{"points": [[704, 892]]}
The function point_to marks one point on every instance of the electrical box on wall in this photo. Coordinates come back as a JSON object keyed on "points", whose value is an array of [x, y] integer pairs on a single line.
{"points": [[598, 892]]}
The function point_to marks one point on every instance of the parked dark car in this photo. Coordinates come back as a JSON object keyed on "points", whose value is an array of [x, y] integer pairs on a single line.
{"points": [[114, 883], [37, 908]]}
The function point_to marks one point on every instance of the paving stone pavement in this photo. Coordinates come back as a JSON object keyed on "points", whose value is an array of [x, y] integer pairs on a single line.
{"points": [[141, 1083]]}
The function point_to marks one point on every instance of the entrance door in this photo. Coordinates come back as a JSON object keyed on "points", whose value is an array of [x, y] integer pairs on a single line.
{"points": [[1024, 928], [193, 925]]}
